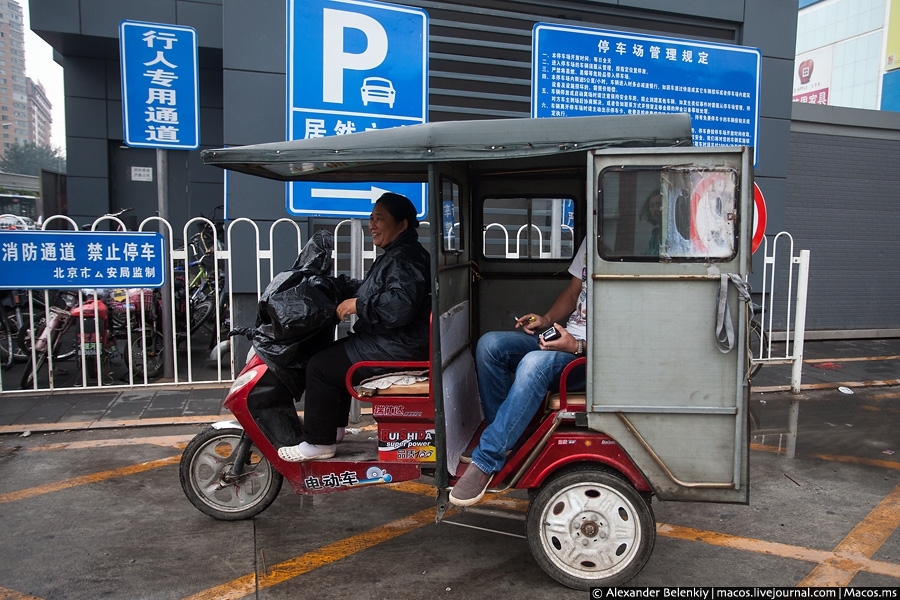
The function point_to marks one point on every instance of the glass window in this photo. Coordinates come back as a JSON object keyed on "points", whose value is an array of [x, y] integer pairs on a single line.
{"points": [[668, 214], [528, 228], [450, 219]]}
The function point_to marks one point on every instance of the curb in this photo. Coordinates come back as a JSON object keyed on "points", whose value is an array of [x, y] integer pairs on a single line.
{"points": [[112, 424]]}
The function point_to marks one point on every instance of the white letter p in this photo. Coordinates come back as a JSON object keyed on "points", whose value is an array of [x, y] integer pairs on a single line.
{"points": [[335, 60]]}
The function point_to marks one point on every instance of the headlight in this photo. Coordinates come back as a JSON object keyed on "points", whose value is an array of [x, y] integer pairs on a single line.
{"points": [[242, 380]]}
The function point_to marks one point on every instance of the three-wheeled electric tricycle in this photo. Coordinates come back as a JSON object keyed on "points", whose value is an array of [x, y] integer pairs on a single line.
{"points": [[663, 413]]}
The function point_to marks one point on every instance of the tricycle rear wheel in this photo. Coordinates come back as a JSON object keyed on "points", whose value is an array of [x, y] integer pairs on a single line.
{"points": [[588, 527], [205, 465]]}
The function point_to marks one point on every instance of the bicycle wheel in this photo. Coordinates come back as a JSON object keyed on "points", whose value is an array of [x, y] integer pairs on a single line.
{"points": [[155, 354], [24, 336], [201, 313], [7, 341], [32, 370], [758, 340]]}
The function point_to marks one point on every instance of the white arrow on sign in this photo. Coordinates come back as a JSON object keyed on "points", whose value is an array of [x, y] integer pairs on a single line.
{"points": [[372, 194]]}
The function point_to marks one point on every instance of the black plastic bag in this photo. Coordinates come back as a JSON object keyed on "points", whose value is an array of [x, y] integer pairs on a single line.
{"points": [[296, 313]]}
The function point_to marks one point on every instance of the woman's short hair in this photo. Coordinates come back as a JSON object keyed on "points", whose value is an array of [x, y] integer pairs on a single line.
{"points": [[400, 207]]}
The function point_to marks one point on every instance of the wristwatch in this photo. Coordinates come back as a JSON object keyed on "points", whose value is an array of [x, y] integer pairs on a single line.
{"points": [[579, 348]]}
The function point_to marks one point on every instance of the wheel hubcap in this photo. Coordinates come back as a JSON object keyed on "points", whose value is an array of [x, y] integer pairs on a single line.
{"points": [[590, 531]]}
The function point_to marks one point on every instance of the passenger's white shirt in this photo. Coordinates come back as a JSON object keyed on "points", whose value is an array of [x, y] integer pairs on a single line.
{"points": [[577, 323]]}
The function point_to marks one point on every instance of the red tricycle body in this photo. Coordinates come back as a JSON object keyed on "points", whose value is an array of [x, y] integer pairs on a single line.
{"points": [[663, 411]]}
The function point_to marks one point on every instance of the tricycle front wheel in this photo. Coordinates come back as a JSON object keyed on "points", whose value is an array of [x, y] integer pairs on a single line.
{"points": [[205, 476], [588, 527]]}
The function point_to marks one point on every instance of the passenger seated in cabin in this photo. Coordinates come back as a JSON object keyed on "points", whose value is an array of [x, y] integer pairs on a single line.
{"points": [[515, 370], [393, 305]]}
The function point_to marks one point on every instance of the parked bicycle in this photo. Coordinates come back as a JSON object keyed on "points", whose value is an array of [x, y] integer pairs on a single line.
{"points": [[12, 320], [87, 326], [200, 287]]}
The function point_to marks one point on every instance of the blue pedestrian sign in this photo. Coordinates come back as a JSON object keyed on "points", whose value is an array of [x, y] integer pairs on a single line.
{"points": [[578, 71], [81, 259], [353, 66], [160, 85]]}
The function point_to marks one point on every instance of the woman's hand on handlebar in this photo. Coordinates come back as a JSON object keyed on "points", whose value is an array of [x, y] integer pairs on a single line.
{"points": [[346, 308]]}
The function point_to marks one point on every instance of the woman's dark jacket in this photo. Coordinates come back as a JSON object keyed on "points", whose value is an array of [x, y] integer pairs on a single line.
{"points": [[393, 304]]}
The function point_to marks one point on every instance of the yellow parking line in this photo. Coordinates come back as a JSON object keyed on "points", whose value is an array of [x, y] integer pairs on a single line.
{"points": [[852, 555], [6, 594], [294, 567], [734, 542], [887, 409], [815, 361], [168, 441], [862, 542], [84, 479], [822, 557], [874, 462]]}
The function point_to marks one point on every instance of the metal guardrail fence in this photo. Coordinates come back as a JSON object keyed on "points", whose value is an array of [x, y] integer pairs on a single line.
{"points": [[117, 338], [200, 276], [791, 304]]}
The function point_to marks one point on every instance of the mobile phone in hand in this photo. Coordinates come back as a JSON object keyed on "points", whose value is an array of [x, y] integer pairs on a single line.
{"points": [[550, 335]]}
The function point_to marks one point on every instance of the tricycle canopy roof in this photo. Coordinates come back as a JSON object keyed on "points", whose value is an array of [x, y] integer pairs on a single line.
{"points": [[404, 153]]}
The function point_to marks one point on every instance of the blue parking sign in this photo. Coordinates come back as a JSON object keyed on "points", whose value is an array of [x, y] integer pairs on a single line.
{"points": [[160, 85], [353, 66]]}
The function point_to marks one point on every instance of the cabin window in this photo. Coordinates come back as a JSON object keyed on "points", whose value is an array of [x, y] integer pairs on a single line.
{"points": [[528, 228], [668, 214]]}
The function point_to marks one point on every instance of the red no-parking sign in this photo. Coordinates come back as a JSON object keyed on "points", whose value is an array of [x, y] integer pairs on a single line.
{"points": [[759, 218]]}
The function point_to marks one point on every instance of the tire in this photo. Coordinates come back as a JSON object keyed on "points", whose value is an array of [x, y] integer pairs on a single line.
{"points": [[588, 527], [24, 335], [32, 370], [155, 352], [756, 334], [201, 313], [207, 458], [7, 346]]}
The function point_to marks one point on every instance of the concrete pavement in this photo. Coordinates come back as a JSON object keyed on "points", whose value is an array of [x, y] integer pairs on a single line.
{"points": [[828, 365], [91, 507]]}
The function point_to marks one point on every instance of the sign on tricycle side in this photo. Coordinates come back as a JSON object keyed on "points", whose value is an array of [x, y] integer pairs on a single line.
{"points": [[81, 259]]}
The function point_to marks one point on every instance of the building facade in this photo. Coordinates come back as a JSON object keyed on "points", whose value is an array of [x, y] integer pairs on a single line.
{"points": [[40, 116], [848, 54], [14, 123], [479, 61]]}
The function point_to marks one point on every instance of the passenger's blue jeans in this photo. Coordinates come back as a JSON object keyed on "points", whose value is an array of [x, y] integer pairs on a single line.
{"points": [[514, 375]]}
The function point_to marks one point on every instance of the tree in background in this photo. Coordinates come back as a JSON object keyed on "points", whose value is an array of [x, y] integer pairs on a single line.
{"points": [[29, 158]]}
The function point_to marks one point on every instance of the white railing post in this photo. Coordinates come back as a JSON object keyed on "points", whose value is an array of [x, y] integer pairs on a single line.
{"points": [[800, 319]]}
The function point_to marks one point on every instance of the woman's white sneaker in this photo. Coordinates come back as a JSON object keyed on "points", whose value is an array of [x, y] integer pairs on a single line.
{"points": [[304, 451]]}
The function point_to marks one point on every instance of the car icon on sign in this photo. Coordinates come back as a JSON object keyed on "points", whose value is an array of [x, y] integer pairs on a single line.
{"points": [[377, 89]]}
